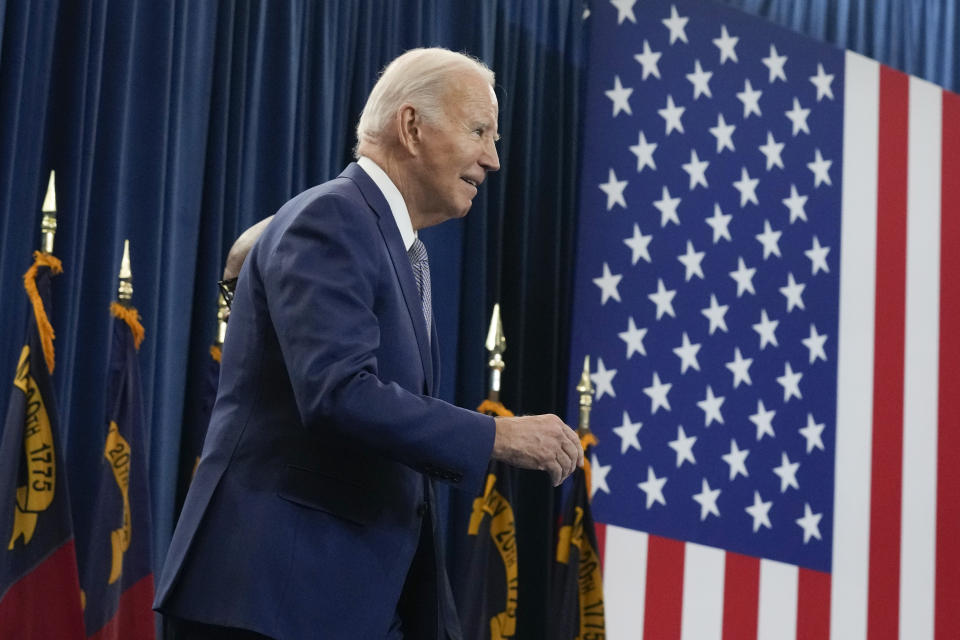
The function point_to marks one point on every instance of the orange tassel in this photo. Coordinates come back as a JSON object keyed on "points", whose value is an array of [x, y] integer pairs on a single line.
{"points": [[587, 440], [215, 352], [492, 408], [132, 318], [44, 328]]}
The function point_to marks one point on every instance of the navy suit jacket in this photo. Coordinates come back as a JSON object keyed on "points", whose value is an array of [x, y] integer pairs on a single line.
{"points": [[307, 506]]}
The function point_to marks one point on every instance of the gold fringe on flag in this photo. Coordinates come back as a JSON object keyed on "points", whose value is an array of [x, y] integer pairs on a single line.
{"points": [[132, 318], [587, 440], [215, 352], [44, 328], [492, 408]]}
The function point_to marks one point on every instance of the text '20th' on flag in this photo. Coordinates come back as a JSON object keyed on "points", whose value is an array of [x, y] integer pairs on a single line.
{"points": [[765, 236]]}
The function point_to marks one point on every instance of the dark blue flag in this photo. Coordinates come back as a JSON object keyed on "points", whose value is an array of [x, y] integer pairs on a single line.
{"points": [[114, 554], [39, 588]]}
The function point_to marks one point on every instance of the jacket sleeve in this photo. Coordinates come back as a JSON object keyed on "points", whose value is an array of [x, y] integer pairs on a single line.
{"points": [[321, 280]]}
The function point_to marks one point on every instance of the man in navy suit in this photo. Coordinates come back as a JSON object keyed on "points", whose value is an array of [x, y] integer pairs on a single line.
{"points": [[311, 515]]}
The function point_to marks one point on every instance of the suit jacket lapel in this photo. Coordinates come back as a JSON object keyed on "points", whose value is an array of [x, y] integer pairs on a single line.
{"points": [[401, 264]]}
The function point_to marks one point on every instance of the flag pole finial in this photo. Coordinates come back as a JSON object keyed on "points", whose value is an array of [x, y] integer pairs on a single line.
{"points": [[223, 312], [585, 389], [48, 224], [125, 289], [496, 344]]}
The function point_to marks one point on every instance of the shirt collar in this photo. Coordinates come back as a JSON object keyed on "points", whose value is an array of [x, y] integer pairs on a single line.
{"points": [[389, 190]]}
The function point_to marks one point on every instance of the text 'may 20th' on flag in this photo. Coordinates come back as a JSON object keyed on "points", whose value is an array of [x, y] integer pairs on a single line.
{"points": [[763, 224]]}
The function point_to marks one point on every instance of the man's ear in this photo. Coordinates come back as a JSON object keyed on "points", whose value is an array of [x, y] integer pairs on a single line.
{"points": [[410, 128]]}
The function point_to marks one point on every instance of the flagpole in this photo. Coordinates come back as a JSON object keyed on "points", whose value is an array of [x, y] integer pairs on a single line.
{"points": [[585, 389], [223, 312], [125, 288]]}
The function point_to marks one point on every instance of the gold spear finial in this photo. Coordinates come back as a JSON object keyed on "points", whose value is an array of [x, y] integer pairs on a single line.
{"points": [[496, 345], [125, 290], [48, 224], [585, 389], [223, 312]]}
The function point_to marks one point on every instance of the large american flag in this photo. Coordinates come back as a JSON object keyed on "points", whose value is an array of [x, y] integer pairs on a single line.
{"points": [[767, 231]]}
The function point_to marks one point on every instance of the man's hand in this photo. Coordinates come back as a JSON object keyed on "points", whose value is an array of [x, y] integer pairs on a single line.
{"points": [[538, 442]]}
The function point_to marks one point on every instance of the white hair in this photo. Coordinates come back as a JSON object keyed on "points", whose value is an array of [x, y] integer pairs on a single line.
{"points": [[419, 77]]}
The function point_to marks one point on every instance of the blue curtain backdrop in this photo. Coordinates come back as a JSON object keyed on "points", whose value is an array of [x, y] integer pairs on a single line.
{"points": [[178, 124]]}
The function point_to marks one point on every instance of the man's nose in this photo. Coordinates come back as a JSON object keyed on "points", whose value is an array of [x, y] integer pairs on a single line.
{"points": [[490, 161]]}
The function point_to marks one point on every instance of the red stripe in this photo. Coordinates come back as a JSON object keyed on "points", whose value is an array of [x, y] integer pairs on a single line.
{"points": [[885, 487], [45, 603], [664, 602], [134, 617], [741, 597], [947, 599], [813, 605], [601, 530]]}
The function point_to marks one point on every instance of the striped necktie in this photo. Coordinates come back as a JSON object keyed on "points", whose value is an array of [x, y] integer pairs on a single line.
{"points": [[421, 273]]}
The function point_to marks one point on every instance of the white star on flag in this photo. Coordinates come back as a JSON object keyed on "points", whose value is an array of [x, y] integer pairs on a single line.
{"points": [[691, 261], [763, 421], [790, 381], [671, 115], [663, 298], [743, 277], [627, 432], [736, 459], [657, 391], [769, 239], [723, 132], [815, 344], [598, 476], [707, 498], [634, 339], [727, 45], [649, 61], [710, 406], [687, 353], [760, 512], [624, 11], [796, 203], [798, 116], [750, 98], [715, 314], [822, 82], [700, 80], [812, 433], [638, 244], [740, 368], [676, 24], [620, 96], [787, 472], [820, 169], [653, 487], [608, 283], [793, 292], [810, 523], [747, 187], [668, 208], [644, 152], [683, 445], [603, 381], [818, 257], [774, 63], [697, 170], [720, 223], [772, 150], [766, 328], [614, 190]]}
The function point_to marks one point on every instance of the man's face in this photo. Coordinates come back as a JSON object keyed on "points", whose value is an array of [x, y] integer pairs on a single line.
{"points": [[459, 150]]}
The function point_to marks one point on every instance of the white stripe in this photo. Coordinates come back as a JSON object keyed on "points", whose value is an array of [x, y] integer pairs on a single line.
{"points": [[851, 507], [918, 525], [703, 573], [624, 582], [777, 610]]}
